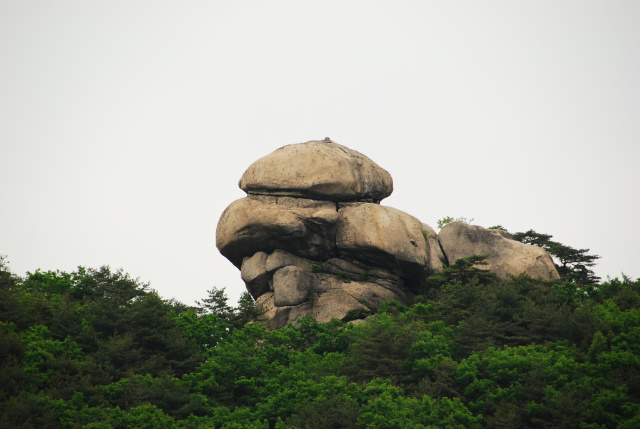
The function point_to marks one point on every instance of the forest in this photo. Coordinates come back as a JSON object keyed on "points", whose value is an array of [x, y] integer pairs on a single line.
{"points": [[98, 349]]}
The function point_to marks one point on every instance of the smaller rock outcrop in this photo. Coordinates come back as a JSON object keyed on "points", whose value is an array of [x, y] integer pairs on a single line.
{"points": [[507, 257]]}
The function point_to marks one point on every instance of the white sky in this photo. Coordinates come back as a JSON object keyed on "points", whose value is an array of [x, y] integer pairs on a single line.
{"points": [[125, 125]]}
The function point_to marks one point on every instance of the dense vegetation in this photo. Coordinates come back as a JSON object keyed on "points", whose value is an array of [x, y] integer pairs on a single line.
{"points": [[98, 349]]}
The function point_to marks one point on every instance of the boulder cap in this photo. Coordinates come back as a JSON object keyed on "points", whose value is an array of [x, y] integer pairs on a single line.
{"points": [[318, 169]]}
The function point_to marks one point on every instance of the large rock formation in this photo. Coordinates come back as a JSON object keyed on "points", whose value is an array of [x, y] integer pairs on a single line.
{"points": [[311, 238]]}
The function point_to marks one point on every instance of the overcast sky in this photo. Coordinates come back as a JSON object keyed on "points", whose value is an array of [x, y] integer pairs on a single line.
{"points": [[126, 125]]}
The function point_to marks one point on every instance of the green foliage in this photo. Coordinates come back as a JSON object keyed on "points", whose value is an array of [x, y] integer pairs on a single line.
{"points": [[213, 319], [347, 277], [433, 345], [42, 352], [498, 227], [215, 303], [98, 349], [379, 349], [574, 265], [356, 314], [388, 408], [365, 276], [448, 219], [463, 270], [318, 268], [207, 330], [246, 310]]}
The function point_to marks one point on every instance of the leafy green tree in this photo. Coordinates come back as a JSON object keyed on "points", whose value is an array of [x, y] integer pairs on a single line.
{"points": [[321, 338], [501, 383], [326, 411], [379, 349], [448, 219], [13, 377], [433, 345], [463, 270], [207, 330], [213, 318], [42, 352], [145, 416], [98, 349], [28, 410], [246, 311], [389, 408], [574, 265], [216, 303]]}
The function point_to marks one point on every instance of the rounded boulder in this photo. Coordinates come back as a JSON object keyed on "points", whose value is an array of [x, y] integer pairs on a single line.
{"points": [[506, 257], [320, 170]]}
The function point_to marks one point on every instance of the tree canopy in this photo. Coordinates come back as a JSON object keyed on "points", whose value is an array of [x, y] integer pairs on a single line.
{"points": [[98, 349], [574, 265]]}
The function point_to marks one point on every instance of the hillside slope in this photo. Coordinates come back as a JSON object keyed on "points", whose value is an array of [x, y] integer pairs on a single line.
{"points": [[97, 349]]}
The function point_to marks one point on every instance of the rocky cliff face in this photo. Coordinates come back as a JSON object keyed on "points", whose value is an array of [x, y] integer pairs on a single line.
{"points": [[311, 238]]}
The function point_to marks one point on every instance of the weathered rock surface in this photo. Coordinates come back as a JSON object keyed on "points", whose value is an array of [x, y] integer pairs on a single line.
{"points": [[281, 258], [437, 259], [337, 304], [292, 286], [255, 275], [386, 237], [287, 287], [266, 223], [321, 170], [311, 239], [507, 257], [332, 297]]}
